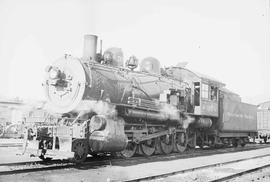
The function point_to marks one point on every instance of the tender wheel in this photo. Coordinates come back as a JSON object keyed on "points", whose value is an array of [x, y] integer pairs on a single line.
{"points": [[180, 142], [148, 147], [1, 130], [130, 150], [235, 143], [242, 142], [166, 144], [80, 149]]}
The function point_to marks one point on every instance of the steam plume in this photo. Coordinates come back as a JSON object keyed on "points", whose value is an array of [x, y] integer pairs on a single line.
{"points": [[171, 112], [188, 121], [99, 107]]}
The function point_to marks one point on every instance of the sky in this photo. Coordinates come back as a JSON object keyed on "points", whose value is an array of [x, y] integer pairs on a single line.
{"points": [[225, 39]]}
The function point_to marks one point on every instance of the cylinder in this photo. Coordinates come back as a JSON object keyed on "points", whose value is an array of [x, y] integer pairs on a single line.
{"points": [[90, 48], [97, 122]]}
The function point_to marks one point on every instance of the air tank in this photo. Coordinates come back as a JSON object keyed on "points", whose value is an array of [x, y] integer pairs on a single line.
{"points": [[203, 123]]}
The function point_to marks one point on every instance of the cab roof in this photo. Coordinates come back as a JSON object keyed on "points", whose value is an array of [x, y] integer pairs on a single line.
{"points": [[205, 78]]}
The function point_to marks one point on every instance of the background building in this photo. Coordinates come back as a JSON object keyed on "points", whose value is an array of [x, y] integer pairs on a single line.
{"points": [[10, 113], [13, 114]]}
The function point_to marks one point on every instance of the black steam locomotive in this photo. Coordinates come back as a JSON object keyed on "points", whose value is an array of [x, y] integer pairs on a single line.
{"points": [[105, 107]]}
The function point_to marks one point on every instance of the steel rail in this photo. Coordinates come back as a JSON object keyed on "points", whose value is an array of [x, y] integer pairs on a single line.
{"points": [[194, 153], [11, 144], [35, 166], [240, 173], [164, 175]]}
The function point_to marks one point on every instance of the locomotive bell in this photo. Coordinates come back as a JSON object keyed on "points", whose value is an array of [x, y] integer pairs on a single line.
{"points": [[132, 62], [90, 48]]}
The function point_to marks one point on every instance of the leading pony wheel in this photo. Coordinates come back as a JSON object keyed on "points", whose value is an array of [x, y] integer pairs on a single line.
{"points": [[80, 149]]}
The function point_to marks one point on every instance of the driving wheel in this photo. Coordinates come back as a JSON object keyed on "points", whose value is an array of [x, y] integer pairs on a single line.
{"points": [[148, 147], [166, 144], [180, 141], [130, 150]]}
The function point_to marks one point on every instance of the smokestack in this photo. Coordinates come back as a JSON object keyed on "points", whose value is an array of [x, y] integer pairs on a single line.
{"points": [[90, 48]]}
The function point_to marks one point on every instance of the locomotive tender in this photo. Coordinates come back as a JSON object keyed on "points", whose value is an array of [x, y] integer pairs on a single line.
{"points": [[105, 107]]}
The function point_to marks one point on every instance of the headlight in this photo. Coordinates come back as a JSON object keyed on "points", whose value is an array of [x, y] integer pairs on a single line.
{"points": [[53, 74]]}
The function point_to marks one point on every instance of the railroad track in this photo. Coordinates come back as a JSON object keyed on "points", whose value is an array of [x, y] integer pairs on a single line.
{"points": [[233, 176], [224, 165], [35, 166], [11, 144]]}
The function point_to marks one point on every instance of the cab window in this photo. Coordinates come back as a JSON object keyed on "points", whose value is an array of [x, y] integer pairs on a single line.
{"points": [[213, 93], [197, 93], [205, 91]]}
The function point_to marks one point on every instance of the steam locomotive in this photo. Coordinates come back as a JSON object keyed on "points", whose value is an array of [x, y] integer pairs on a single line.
{"points": [[104, 107]]}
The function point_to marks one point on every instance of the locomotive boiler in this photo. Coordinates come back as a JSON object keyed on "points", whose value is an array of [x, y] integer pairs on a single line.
{"points": [[108, 108]]}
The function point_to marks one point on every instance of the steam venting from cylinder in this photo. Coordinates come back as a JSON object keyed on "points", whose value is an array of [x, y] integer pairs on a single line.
{"points": [[89, 48]]}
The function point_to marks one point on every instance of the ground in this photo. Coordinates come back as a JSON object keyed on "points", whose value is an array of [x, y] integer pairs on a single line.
{"points": [[125, 170]]}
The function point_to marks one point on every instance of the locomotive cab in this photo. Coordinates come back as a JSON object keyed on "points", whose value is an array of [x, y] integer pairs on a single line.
{"points": [[204, 90], [206, 97]]}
